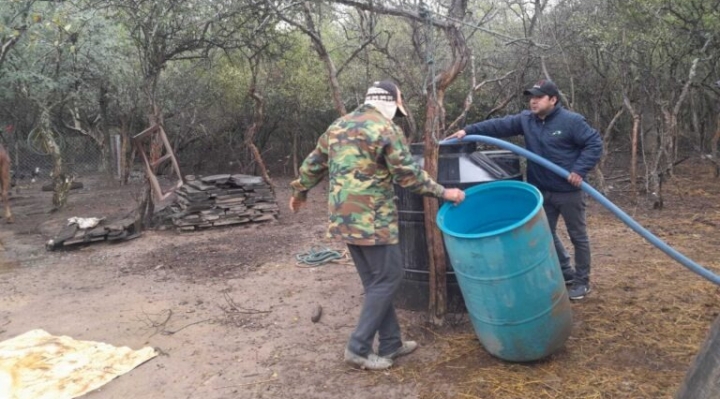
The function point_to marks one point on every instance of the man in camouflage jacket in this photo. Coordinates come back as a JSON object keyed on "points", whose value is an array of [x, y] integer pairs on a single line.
{"points": [[364, 153]]}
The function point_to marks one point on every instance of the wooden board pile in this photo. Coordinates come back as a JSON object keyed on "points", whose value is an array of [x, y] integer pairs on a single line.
{"points": [[102, 230], [222, 200]]}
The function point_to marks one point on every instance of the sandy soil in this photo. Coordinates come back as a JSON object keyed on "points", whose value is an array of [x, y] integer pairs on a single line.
{"points": [[229, 310]]}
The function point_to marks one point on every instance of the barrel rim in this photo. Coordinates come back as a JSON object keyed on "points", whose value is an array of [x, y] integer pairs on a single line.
{"points": [[447, 207]]}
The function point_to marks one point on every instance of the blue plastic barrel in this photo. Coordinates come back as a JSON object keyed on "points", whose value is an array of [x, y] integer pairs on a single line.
{"points": [[501, 248]]}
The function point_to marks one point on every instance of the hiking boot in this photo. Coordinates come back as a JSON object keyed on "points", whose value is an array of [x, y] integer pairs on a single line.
{"points": [[578, 291], [371, 362], [407, 348]]}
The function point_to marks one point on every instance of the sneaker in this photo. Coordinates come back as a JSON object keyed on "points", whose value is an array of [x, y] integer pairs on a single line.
{"points": [[371, 362], [578, 291], [407, 348]]}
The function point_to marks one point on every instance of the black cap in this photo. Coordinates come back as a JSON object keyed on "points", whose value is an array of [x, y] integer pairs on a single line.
{"points": [[543, 88], [387, 91]]}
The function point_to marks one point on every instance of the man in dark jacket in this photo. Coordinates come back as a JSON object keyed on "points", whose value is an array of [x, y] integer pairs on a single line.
{"points": [[564, 138]]}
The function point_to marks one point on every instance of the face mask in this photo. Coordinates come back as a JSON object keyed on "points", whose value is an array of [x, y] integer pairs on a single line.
{"points": [[386, 108]]}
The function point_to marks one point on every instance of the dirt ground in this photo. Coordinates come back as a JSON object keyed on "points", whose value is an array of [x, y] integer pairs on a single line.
{"points": [[229, 311]]}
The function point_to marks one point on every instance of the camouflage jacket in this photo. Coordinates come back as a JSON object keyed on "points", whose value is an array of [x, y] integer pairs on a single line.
{"points": [[363, 154]]}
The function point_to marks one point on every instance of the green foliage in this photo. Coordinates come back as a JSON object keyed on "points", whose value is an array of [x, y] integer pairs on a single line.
{"points": [[196, 60]]}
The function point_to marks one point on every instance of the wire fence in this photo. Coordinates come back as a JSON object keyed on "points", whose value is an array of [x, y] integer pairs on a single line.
{"points": [[81, 155]]}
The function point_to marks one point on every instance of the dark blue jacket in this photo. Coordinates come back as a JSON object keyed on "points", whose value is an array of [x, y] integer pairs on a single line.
{"points": [[563, 138]]}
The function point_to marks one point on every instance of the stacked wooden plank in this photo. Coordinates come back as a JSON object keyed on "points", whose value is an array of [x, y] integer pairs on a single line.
{"points": [[222, 200], [73, 234]]}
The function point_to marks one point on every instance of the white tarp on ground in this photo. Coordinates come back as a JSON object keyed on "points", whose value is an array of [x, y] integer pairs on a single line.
{"points": [[37, 365]]}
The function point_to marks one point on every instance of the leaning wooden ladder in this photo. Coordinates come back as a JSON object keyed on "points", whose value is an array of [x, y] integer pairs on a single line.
{"points": [[151, 166]]}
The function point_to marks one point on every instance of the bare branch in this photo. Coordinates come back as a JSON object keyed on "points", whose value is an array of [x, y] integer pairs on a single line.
{"points": [[691, 76], [382, 9], [357, 51], [548, 77], [500, 106], [469, 98]]}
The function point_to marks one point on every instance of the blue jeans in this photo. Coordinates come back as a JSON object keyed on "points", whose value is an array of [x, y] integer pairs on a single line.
{"points": [[380, 269], [571, 206]]}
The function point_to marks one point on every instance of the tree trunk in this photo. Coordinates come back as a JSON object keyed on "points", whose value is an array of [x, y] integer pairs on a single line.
{"points": [[607, 137], [434, 126], [668, 142], [147, 202], [61, 182], [633, 146], [702, 380], [436, 250], [667, 151], [258, 117], [62, 188], [695, 120], [295, 153], [322, 52], [658, 162], [127, 152], [714, 147], [105, 131]]}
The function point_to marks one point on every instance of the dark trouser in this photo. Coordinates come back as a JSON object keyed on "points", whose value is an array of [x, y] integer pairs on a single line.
{"points": [[380, 269], [571, 206]]}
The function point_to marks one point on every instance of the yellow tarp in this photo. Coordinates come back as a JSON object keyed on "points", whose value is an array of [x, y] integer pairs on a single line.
{"points": [[37, 365]]}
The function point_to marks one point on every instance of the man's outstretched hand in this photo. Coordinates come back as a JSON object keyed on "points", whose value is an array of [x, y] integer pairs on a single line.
{"points": [[454, 195], [457, 135]]}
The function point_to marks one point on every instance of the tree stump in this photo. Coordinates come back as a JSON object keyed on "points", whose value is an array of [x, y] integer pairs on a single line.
{"points": [[703, 379], [62, 188]]}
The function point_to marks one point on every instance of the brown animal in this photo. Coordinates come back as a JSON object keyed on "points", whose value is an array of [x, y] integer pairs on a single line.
{"points": [[5, 182]]}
